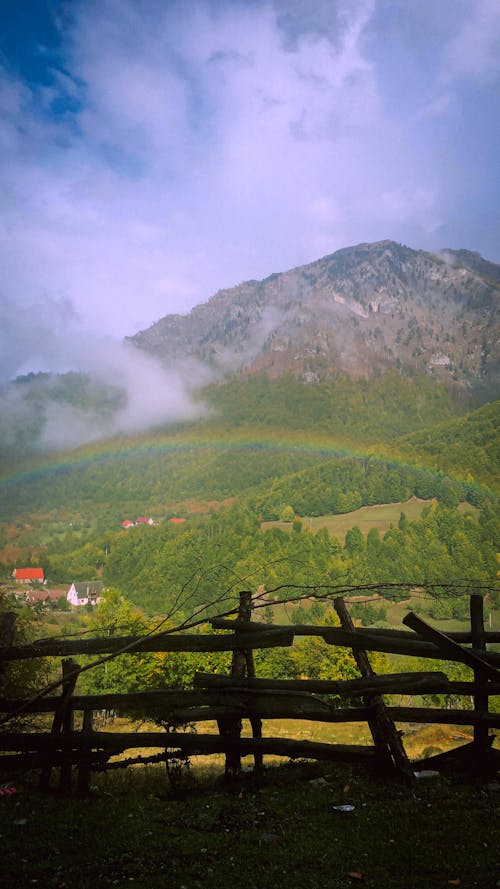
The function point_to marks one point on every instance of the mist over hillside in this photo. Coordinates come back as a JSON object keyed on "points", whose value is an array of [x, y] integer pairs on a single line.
{"points": [[360, 314]]}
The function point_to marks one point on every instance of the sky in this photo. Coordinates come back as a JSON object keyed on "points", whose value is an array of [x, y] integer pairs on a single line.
{"points": [[155, 151]]}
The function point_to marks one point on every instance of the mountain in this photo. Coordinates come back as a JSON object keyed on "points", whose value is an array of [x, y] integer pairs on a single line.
{"points": [[362, 311]]}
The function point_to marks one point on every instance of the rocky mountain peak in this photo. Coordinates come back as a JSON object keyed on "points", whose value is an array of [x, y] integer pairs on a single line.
{"points": [[361, 310]]}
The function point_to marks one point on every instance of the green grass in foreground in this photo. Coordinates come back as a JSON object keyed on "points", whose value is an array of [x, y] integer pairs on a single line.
{"points": [[282, 831]]}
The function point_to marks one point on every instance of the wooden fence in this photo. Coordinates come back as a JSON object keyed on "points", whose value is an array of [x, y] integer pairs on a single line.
{"points": [[226, 700]]}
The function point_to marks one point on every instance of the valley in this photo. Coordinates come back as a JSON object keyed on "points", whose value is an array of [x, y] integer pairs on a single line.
{"points": [[302, 469]]}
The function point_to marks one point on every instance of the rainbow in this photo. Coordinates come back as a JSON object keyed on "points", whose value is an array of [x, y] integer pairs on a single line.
{"points": [[218, 439]]}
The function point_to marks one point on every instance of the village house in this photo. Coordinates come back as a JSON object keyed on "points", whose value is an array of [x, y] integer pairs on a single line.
{"points": [[88, 592], [29, 575], [43, 597], [140, 520]]}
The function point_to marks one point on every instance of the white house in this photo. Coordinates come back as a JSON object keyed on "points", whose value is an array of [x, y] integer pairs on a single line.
{"points": [[88, 592]]}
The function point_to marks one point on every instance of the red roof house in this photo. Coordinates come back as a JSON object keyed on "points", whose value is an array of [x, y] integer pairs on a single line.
{"points": [[177, 521], [144, 520], [25, 575], [127, 524]]}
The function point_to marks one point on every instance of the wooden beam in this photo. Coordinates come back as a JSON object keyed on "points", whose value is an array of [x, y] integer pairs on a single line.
{"points": [[158, 642], [223, 623], [386, 737], [444, 717], [396, 683], [452, 650], [389, 641], [481, 699], [193, 744]]}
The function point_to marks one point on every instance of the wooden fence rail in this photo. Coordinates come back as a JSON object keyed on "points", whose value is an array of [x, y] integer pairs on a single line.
{"points": [[226, 700]]}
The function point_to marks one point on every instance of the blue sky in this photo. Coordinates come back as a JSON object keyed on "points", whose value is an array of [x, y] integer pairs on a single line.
{"points": [[153, 152]]}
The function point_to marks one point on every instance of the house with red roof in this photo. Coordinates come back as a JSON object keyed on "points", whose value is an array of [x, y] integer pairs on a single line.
{"points": [[176, 521], [29, 575], [140, 520]]}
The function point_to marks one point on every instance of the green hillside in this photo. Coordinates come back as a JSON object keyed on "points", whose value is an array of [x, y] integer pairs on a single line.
{"points": [[362, 411], [261, 438], [469, 446]]}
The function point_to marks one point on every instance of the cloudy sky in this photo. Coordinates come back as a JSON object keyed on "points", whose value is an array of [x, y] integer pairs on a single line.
{"points": [[154, 151]]}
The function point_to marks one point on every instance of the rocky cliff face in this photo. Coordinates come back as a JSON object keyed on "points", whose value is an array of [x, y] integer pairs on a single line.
{"points": [[361, 311]]}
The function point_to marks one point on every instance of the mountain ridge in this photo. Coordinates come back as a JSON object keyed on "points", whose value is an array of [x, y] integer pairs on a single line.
{"points": [[361, 310]]}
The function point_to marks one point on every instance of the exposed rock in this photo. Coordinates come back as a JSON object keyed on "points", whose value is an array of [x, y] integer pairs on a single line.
{"points": [[361, 310]]}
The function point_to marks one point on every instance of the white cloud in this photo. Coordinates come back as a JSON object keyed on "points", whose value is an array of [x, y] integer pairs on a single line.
{"points": [[474, 51], [184, 147]]}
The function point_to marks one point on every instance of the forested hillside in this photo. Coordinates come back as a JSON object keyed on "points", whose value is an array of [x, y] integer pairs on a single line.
{"points": [[362, 411], [212, 556], [269, 447], [468, 447], [258, 431]]}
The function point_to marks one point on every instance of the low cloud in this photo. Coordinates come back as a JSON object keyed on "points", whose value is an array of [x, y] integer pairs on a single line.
{"points": [[172, 149], [181, 148], [101, 388]]}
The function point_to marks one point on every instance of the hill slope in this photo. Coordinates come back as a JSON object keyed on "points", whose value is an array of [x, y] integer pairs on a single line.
{"points": [[468, 446]]}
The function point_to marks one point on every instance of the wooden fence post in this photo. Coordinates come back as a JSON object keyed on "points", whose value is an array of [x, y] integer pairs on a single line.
{"points": [[231, 728], [481, 699], [84, 768], [385, 735], [255, 722], [62, 723], [7, 632]]}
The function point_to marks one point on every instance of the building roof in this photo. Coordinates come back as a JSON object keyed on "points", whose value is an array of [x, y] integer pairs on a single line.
{"points": [[177, 521], [29, 574], [43, 595], [143, 520], [89, 587]]}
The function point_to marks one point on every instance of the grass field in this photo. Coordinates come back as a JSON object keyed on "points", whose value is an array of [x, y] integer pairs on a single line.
{"points": [[279, 830], [380, 517]]}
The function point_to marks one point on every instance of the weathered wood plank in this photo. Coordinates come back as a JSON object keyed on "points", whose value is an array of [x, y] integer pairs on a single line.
{"points": [[391, 642], [386, 737], [158, 642], [270, 638], [7, 633], [222, 623], [481, 699], [194, 744], [63, 722], [24, 761], [167, 699], [444, 717], [396, 683], [452, 650], [230, 727]]}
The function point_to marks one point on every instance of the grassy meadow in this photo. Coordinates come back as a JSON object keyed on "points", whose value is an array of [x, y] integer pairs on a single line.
{"points": [[378, 516]]}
